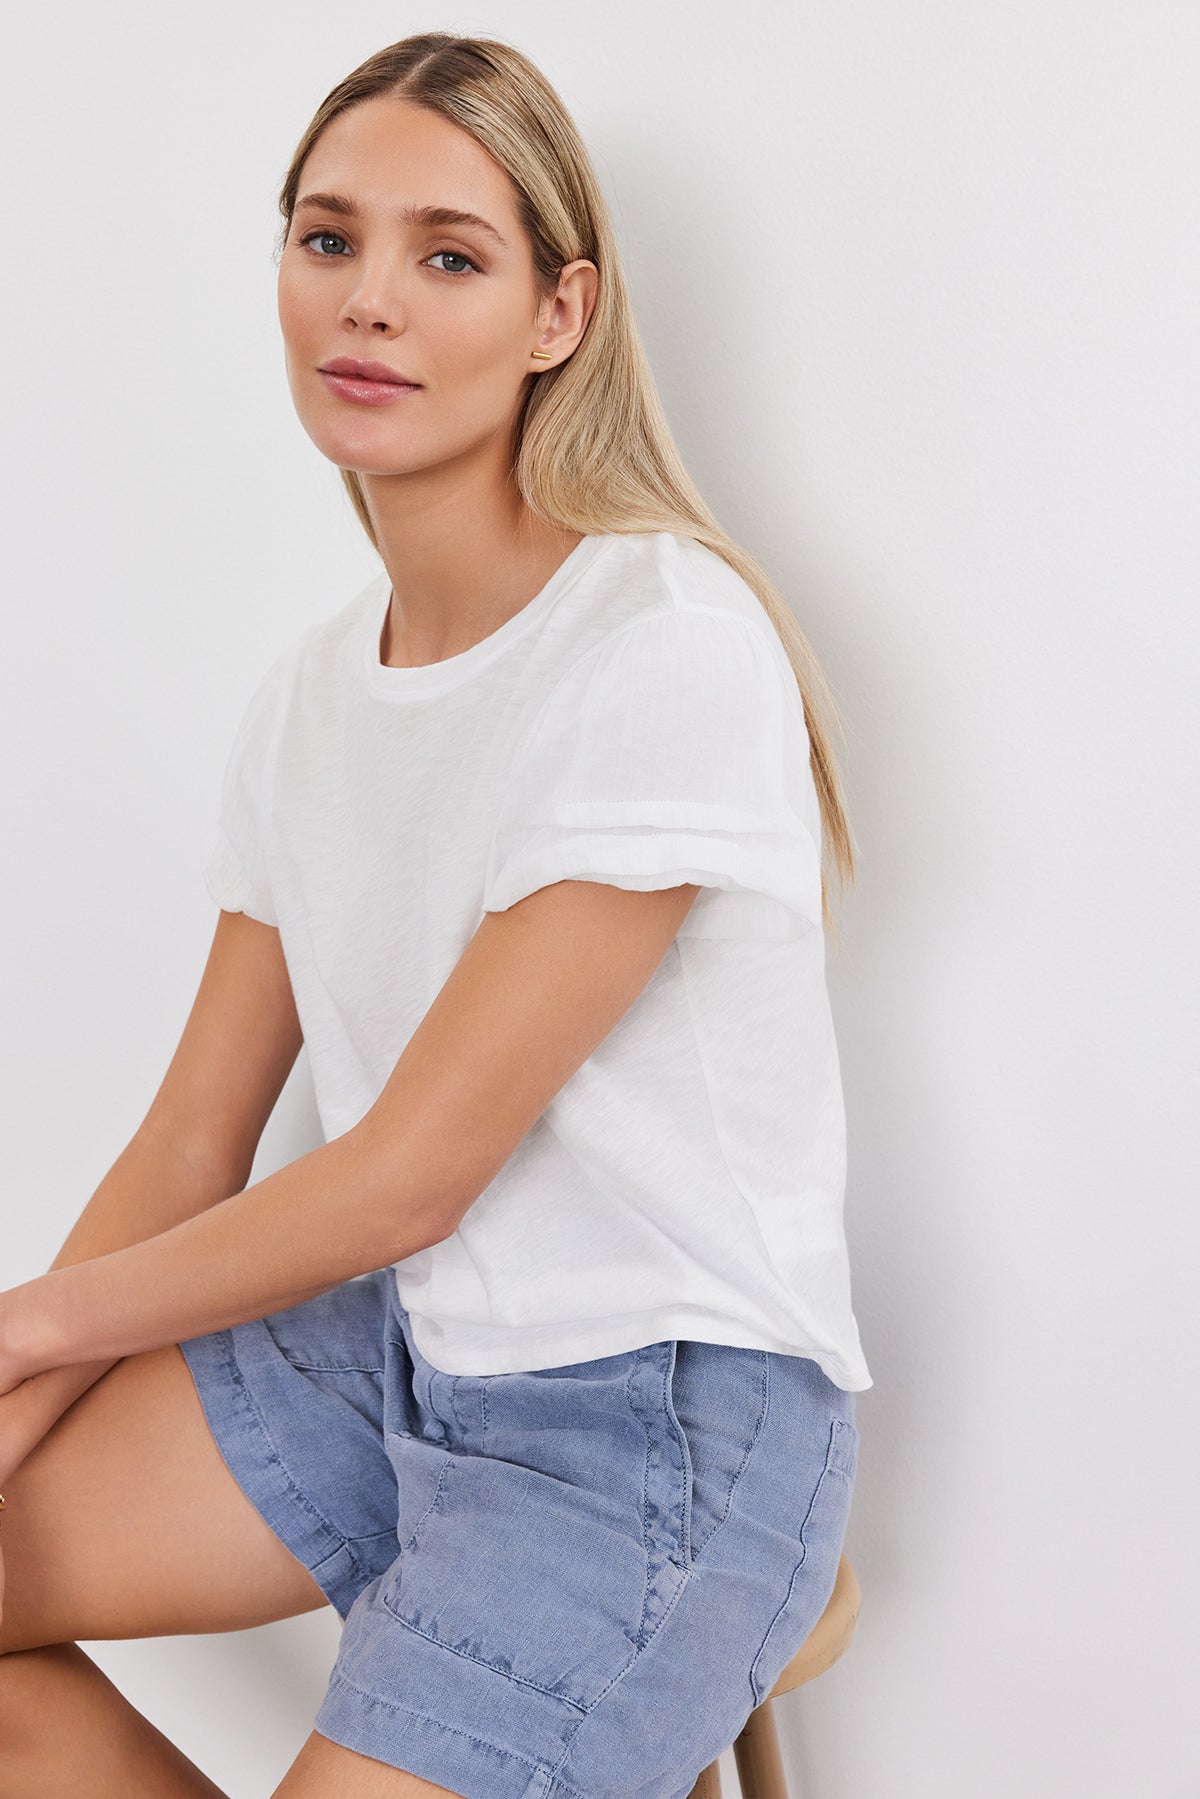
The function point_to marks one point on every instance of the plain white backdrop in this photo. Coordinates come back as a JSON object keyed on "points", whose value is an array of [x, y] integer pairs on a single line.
{"points": [[919, 286]]}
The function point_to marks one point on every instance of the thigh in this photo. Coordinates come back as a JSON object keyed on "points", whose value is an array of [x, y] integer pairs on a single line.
{"points": [[124, 1521]]}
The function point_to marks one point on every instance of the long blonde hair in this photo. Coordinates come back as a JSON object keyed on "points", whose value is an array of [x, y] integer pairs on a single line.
{"points": [[595, 452]]}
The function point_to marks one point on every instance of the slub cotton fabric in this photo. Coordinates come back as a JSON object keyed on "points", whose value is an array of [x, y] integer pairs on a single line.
{"points": [[636, 723]]}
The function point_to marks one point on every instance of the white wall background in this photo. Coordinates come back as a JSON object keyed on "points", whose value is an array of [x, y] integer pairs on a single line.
{"points": [[919, 285]]}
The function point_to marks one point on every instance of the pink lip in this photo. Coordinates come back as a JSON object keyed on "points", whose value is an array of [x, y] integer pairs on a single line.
{"points": [[366, 390], [366, 371]]}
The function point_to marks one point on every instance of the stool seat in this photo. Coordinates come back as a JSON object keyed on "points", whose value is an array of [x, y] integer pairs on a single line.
{"points": [[756, 1750]]}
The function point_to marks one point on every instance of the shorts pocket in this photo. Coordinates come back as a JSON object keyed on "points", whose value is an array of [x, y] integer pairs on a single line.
{"points": [[821, 1536], [544, 1578], [717, 1401]]}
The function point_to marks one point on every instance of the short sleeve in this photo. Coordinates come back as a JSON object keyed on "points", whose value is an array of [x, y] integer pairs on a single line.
{"points": [[236, 864], [674, 751]]}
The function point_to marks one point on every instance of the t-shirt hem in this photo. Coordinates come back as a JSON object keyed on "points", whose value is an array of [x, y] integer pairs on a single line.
{"points": [[541, 1348]]}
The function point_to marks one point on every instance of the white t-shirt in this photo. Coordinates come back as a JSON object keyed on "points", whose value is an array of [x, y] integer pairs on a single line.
{"points": [[636, 723]]}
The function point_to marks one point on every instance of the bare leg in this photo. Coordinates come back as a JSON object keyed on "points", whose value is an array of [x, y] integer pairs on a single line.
{"points": [[106, 1536], [67, 1733]]}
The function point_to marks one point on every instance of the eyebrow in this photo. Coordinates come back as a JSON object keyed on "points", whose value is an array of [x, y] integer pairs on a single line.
{"points": [[434, 216]]}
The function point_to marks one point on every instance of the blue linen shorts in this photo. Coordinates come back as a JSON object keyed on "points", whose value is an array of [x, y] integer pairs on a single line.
{"points": [[575, 1583]]}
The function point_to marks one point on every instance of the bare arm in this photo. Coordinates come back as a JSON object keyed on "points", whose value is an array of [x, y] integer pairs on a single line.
{"points": [[195, 1147], [534, 993]]}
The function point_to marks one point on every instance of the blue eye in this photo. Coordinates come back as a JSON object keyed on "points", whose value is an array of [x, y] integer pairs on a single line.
{"points": [[455, 255], [313, 234], [458, 257]]}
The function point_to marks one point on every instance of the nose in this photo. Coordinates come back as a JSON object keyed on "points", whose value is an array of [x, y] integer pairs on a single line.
{"points": [[375, 303]]}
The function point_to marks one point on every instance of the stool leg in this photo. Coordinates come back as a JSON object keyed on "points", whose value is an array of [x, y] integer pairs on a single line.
{"points": [[709, 1784], [759, 1764]]}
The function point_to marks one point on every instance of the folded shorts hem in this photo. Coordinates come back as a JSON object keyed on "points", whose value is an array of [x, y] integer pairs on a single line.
{"points": [[401, 1737], [395, 1734], [246, 1446]]}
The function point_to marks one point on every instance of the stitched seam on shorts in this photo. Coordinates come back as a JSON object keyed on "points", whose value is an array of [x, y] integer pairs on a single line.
{"points": [[557, 1786], [788, 1595], [294, 1487], [685, 1472], [437, 1493], [826, 1471], [679, 1545], [331, 1367], [635, 1409], [685, 1577], [518, 1680], [463, 1424], [765, 1384], [479, 1661], [395, 1705]]}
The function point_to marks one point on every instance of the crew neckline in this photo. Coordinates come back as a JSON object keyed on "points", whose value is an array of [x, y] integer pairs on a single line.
{"points": [[440, 677]]}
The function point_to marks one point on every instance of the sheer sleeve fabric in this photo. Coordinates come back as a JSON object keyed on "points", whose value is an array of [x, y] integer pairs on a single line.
{"points": [[674, 751]]}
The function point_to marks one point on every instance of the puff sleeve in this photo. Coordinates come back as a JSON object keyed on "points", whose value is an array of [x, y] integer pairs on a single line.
{"points": [[236, 864], [673, 751]]}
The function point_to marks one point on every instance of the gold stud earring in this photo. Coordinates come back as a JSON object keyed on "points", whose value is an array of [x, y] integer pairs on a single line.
{"points": [[544, 354]]}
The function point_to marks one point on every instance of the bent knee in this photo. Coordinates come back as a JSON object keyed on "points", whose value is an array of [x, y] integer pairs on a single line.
{"points": [[124, 1521]]}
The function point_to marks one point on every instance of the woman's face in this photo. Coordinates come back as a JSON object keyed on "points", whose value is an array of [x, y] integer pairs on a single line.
{"points": [[446, 306]]}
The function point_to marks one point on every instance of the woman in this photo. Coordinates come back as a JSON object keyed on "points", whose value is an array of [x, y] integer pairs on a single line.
{"points": [[541, 1369]]}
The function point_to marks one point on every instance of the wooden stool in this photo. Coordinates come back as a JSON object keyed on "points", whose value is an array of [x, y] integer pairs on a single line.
{"points": [[760, 1769]]}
